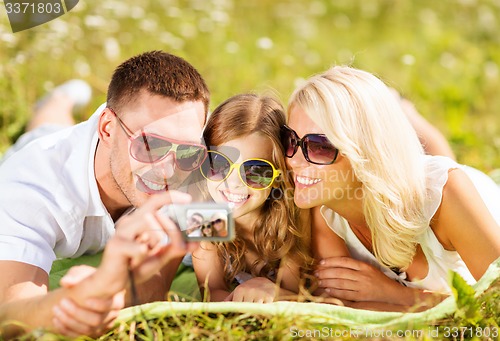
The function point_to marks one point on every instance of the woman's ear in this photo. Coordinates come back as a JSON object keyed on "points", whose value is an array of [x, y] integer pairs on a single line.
{"points": [[105, 126]]}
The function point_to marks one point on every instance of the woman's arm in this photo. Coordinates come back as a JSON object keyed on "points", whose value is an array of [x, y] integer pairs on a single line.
{"points": [[324, 242], [463, 223], [354, 282], [361, 285], [420, 300], [210, 273]]}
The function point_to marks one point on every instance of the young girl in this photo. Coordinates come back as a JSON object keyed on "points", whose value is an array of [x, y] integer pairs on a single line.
{"points": [[389, 223], [246, 168]]}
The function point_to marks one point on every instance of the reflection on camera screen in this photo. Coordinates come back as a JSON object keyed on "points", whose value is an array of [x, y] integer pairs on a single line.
{"points": [[206, 223]]}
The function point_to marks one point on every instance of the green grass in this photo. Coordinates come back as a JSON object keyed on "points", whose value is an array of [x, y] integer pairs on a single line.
{"points": [[444, 55], [199, 325], [474, 316]]}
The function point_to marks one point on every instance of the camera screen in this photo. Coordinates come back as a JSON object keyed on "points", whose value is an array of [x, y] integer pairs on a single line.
{"points": [[206, 223], [202, 221]]}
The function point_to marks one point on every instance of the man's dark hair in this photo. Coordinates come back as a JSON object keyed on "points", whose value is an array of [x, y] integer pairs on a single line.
{"points": [[159, 73]]}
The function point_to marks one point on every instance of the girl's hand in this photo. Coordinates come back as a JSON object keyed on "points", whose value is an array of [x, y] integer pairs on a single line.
{"points": [[352, 280], [257, 290]]}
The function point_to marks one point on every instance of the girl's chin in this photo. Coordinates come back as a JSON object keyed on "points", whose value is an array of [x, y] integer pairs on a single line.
{"points": [[237, 212]]}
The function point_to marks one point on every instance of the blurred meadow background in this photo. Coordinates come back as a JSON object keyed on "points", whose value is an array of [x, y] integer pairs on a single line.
{"points": [[443, 55]]}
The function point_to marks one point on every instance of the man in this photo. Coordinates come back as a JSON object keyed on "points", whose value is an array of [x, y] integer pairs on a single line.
{"points": [[194, 224], [62, 194]]}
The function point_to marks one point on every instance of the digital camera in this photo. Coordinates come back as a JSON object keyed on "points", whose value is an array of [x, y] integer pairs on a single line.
{"points": [[202, 221]]}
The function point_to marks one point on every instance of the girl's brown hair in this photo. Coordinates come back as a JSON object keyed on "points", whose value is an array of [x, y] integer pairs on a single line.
{"points": [[277, 232]]}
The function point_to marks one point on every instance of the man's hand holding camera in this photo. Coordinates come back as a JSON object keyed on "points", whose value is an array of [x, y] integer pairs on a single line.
{"points": [[139, 246]]}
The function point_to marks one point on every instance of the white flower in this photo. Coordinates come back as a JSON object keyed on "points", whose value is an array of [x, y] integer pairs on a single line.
{"points": [[408, 59], [81, 67], [94, 21], [265, 43], [111, 49]]}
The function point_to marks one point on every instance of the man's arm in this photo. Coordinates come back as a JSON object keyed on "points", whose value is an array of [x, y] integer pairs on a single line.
{"points": [[23, 281], [25, 299], [137, 245], [154, 289]]}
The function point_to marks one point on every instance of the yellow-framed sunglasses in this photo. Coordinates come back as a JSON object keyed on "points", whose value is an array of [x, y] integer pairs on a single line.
{"points": [[254, 173]]}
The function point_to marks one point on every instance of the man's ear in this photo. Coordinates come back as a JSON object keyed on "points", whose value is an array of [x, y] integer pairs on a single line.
{"points": [[105, 126]]}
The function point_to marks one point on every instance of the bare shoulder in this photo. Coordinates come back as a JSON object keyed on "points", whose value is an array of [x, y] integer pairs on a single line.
{"points": [[461, 201], [458, 185], [24, 280], [464, 224], [324, 241]]}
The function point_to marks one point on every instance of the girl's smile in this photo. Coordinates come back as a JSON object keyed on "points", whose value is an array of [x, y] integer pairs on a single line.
{"points": [[235, 198]]}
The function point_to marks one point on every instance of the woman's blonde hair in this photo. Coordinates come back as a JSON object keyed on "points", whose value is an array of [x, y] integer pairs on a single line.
{"points": [[364, 120], [277, 232]]}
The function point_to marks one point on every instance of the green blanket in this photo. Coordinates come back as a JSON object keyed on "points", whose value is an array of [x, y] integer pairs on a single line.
{"points": [[316, 312], [185, 286]]}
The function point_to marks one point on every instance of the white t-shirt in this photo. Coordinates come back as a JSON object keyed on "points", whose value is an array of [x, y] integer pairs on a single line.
{"points": [[440, 261], [50, 205]]}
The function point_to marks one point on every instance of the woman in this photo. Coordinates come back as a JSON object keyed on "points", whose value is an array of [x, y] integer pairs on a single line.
{"points": [[219, 224], [401, 217]]}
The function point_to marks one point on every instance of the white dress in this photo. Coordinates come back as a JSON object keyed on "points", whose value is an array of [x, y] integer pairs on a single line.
{"points": [[440, 260]]}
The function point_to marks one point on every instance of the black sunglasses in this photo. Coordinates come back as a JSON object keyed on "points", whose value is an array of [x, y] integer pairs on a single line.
{"points": [[206, 226], [316, 148]]}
